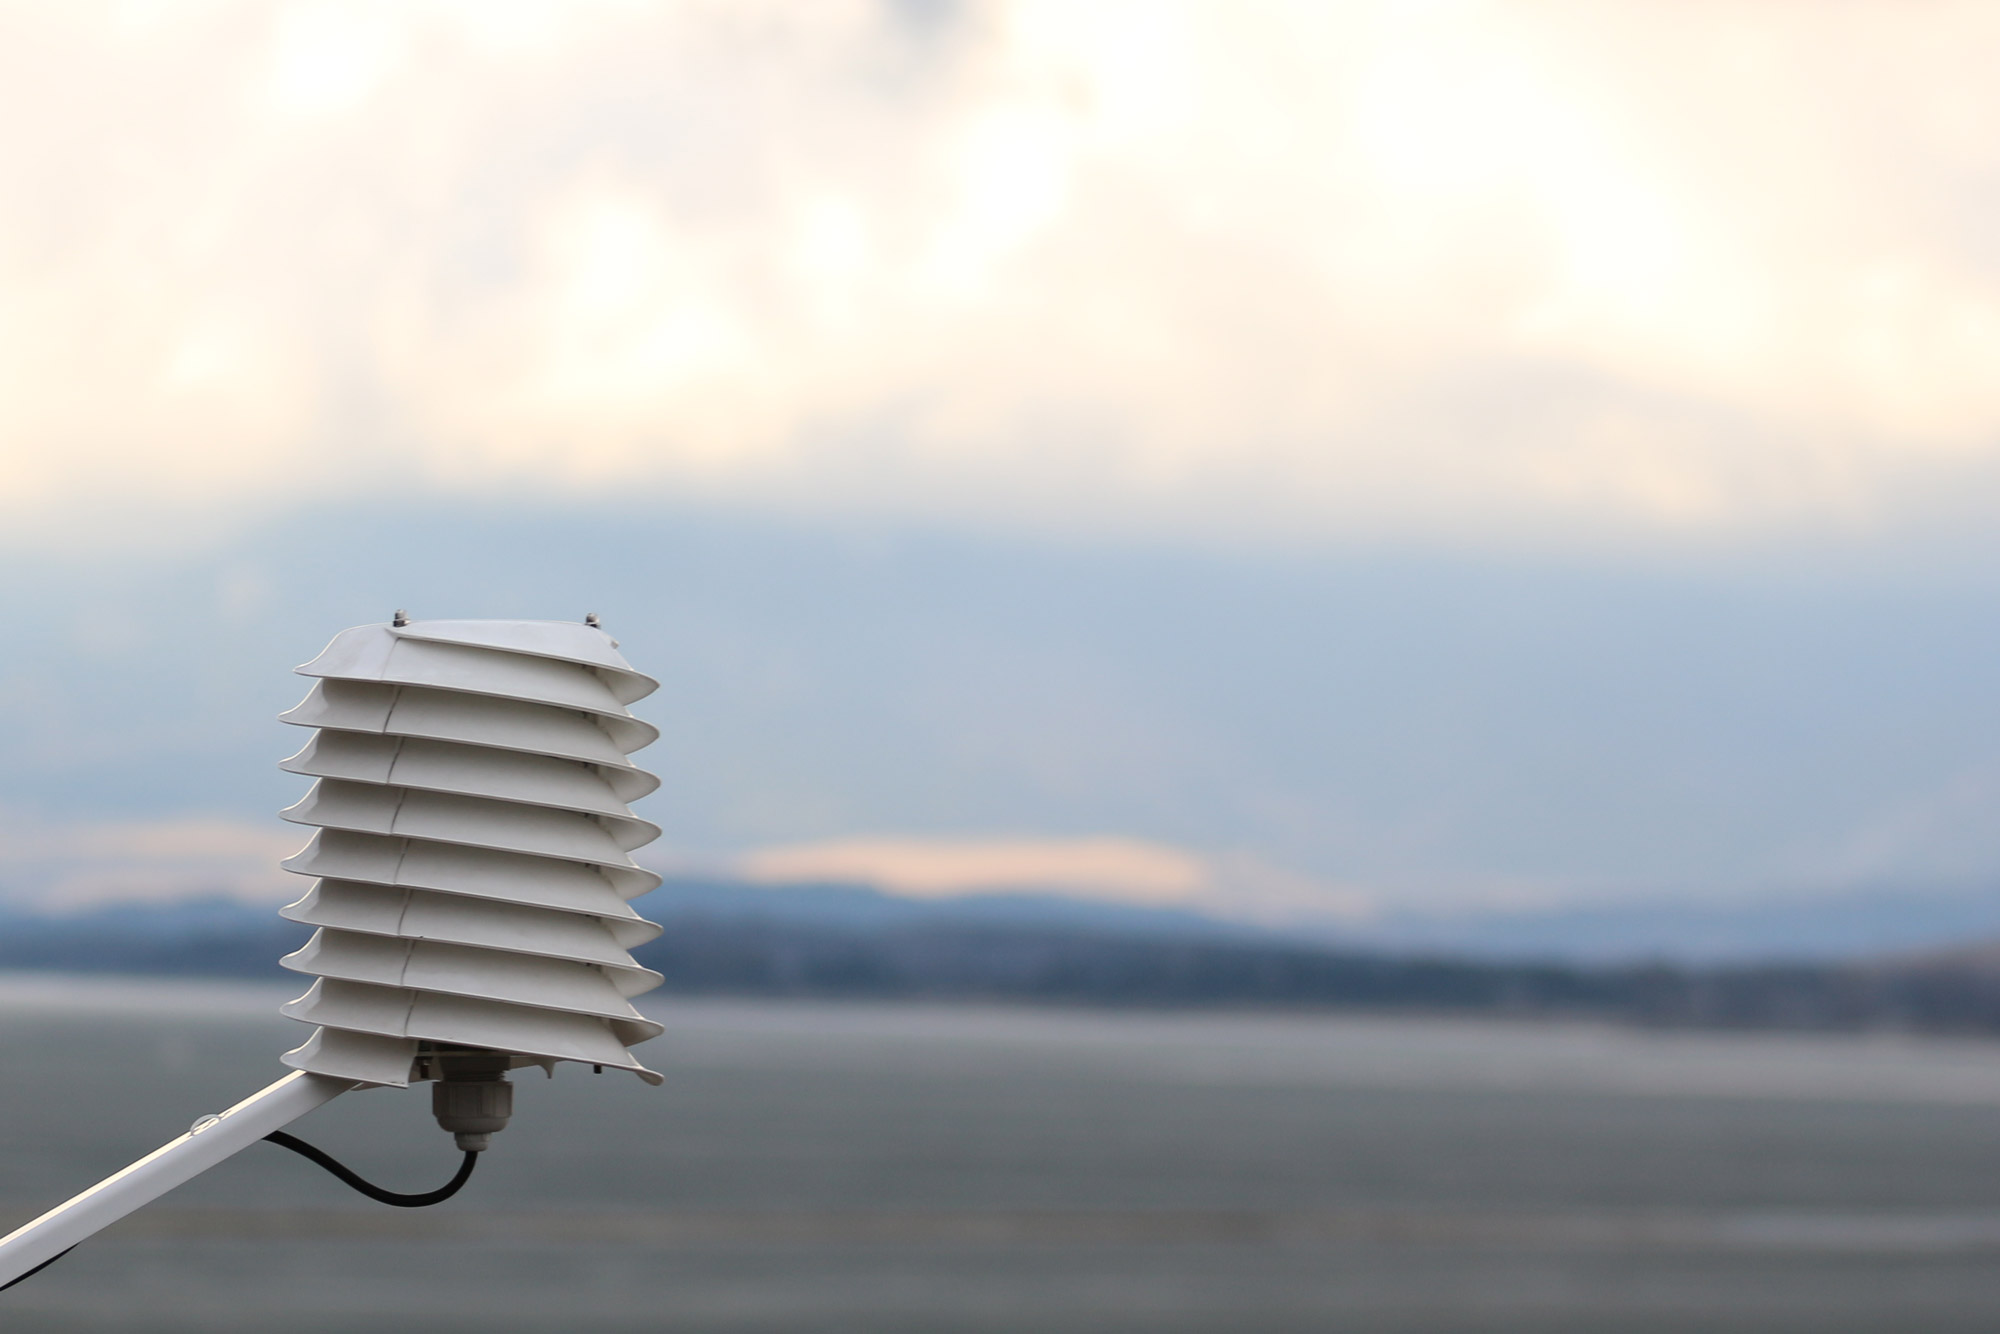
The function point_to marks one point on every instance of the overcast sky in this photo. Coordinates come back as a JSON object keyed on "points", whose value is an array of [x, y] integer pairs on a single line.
{"points": [[1325, 311], [1456, 270]]}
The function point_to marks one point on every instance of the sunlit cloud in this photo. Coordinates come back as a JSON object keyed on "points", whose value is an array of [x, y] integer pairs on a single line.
{"points": [[66, 865], [926, 868], [1274, 269], [1109, 870]]}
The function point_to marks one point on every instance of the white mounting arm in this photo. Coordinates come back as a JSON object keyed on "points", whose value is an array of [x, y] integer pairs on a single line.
{"points": [[212, 1139]]}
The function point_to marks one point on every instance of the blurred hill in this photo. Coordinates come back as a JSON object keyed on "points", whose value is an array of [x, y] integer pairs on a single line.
{"points": [[837, 941]]}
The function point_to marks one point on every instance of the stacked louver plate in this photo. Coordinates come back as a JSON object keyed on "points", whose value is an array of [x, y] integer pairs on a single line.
{"points": [[472, 858]]}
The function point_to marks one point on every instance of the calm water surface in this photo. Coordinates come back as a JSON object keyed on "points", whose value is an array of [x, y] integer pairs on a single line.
{"points": [[815, 1167]]}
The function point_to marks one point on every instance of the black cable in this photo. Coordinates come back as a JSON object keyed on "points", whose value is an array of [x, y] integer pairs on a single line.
{"points": [[36, 1270], [368, 1188]]}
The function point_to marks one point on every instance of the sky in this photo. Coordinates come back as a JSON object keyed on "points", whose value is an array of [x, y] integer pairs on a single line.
{"points": [[1305, 458]]}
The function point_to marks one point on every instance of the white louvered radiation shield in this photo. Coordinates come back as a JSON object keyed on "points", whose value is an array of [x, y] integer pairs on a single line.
{"points": [[472, 873], [472, 860]]}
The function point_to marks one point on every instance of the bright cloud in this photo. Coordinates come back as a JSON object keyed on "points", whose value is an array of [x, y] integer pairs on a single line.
{"points": [[928, 868], [1118, 870], [75, 864], [1273, 268]]}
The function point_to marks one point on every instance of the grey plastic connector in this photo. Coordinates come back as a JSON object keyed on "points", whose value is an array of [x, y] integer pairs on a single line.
{"points": [[472, 1099]]}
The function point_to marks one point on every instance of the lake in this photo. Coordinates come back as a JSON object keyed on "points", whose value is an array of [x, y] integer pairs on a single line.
{"points": [[863, 1167]]}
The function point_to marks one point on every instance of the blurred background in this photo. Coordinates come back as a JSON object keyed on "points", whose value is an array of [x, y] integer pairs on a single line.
{"points": [[1320, 662]]}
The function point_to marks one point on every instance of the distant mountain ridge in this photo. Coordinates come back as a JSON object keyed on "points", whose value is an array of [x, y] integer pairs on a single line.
{"points": [[1853, 924], [724, 938], [852, 904], [1859, 924]]}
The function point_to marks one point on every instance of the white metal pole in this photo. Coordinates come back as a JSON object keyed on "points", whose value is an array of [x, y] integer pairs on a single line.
{"points": [[212, 1139]]}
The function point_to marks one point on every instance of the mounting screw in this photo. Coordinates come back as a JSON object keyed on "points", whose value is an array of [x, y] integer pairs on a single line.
{"points": [[402, 618], [590, 619]]}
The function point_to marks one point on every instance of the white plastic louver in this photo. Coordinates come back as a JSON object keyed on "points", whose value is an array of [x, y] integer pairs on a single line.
{"points": [[472, 870], [473, 855]]}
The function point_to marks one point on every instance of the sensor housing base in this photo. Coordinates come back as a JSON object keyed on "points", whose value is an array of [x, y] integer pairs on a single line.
{"points": [[472, 1097]]}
